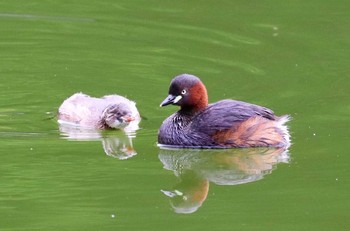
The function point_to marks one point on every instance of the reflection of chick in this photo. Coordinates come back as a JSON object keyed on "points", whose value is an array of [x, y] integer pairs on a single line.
{"points": [[116, 144], [189, 194], [111, 111], [118, 148]]}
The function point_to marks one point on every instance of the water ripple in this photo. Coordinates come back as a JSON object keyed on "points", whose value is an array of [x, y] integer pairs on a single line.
{"points": [[42, 17], [196, 33]]}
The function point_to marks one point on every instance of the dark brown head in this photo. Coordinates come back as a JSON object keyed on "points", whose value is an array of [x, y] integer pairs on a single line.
{"points": [[188, 92]]}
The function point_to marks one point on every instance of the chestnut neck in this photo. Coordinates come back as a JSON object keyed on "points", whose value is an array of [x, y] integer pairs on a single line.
{"points": [[198, 100]]}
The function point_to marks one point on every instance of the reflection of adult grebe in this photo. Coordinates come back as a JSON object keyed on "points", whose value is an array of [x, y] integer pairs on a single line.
{"points": [[189, 194], [196, 168], [111, 111], [224, 124], [117, 144]]}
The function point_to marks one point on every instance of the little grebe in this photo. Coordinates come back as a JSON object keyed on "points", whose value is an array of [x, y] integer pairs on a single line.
{"points": [[110, 111], [224, 124]]}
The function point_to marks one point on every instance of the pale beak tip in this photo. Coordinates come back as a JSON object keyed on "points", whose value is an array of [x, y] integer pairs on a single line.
{"points": [[128, 119]]}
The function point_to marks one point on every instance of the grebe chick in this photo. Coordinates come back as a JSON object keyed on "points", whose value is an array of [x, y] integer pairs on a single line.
{"points": [[110, 111]]}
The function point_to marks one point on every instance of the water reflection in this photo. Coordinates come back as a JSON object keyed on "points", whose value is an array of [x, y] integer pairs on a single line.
{"points": [[117, 144], [195, 169]]}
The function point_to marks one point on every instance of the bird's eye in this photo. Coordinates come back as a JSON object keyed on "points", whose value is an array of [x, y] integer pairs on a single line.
{"points": [[183, 92]]}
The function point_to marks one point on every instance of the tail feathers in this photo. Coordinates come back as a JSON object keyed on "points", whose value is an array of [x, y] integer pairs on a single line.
{"points": [[257, 132], [264, 132], [281, 122]]}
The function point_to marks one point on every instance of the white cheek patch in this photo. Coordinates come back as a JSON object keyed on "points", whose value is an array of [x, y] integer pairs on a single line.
{"points": [[177, 98]]}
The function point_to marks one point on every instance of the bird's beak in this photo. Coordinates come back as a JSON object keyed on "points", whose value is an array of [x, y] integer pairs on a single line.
{"points": [[171, 99], [127, 118]]}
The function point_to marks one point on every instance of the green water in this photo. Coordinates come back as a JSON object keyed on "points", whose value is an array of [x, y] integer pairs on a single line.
{"points": [[291, 56]]}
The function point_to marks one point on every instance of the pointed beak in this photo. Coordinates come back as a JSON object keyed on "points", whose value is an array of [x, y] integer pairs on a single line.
{"points": [[168, 100], [127, 118]]}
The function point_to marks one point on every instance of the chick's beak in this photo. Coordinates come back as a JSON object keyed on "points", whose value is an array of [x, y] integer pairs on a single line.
{"points": [[127, 118]]}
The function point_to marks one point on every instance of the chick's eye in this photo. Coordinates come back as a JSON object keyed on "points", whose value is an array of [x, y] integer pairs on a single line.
{"points": [[183, 92]]}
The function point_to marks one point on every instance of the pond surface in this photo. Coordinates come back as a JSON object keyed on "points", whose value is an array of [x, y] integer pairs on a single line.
{"points": [[290, 56]]}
